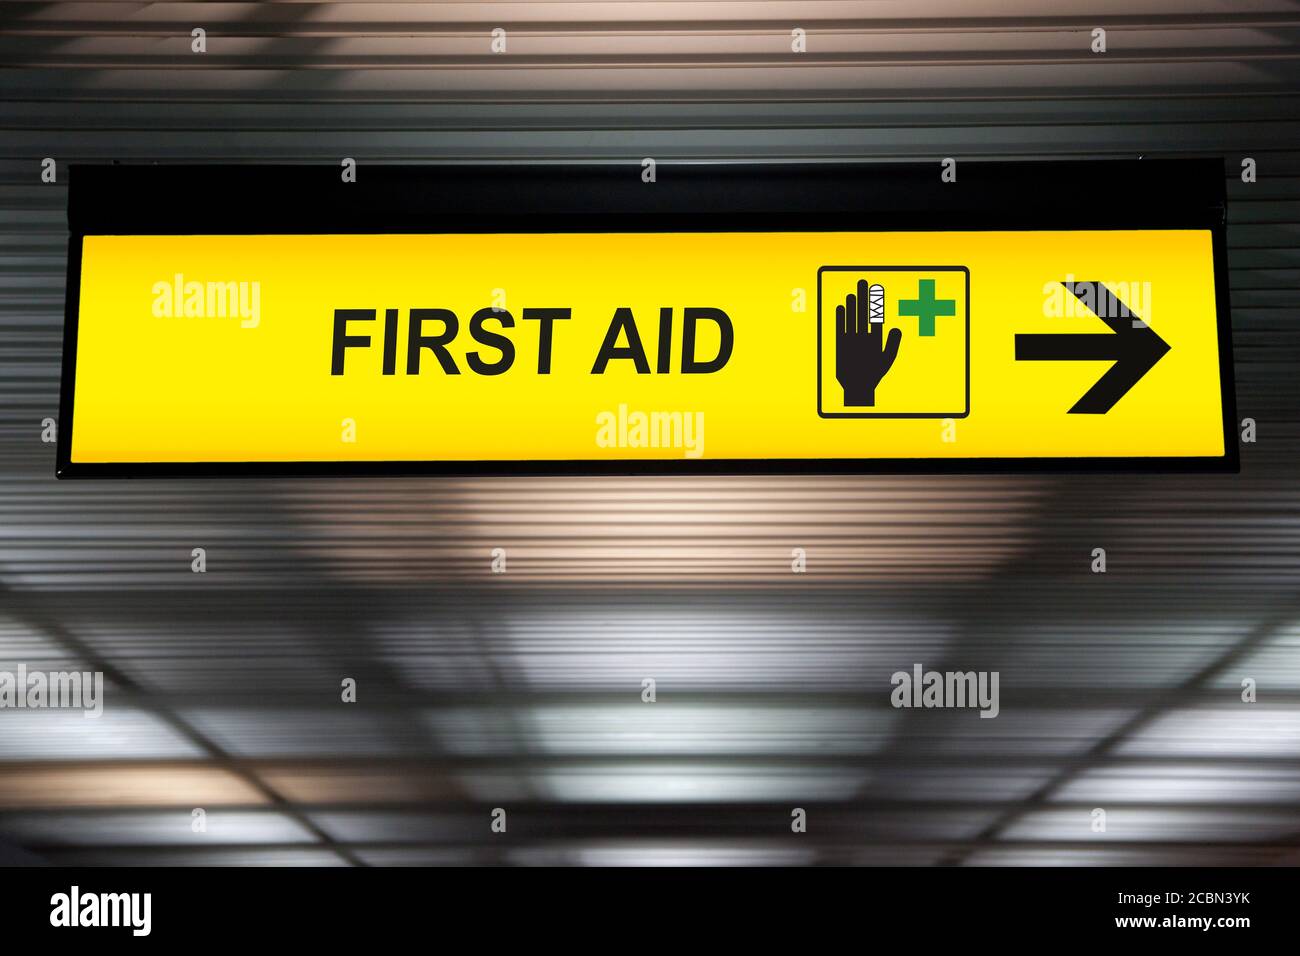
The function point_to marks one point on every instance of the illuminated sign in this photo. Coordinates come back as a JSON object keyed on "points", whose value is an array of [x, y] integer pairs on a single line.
{"points": [[576, 343]]}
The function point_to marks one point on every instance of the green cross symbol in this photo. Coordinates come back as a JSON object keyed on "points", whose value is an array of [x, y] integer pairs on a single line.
{"points": [[926, 307]]}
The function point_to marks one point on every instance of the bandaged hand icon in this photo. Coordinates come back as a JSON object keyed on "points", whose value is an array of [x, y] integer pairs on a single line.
{"points": [[863, 352]]}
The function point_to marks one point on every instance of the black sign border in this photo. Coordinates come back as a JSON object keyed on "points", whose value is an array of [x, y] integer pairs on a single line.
{"points": [[613, 197]]}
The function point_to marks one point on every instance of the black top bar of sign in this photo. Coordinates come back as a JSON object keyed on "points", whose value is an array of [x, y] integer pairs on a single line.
{"points": [[690, 197]]}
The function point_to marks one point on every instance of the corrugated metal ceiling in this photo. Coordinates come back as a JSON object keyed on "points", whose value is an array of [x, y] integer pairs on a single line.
{"points": [[523, 690]]}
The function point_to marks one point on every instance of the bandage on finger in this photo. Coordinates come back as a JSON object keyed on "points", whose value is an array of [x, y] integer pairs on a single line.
{"points": [[876, 304]]}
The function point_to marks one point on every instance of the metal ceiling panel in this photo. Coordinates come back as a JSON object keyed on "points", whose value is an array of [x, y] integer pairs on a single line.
{"points": [[1119, 690]]}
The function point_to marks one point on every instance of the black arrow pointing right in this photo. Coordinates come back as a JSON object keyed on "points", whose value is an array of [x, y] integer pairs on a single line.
{"points": [[1133, 349]]}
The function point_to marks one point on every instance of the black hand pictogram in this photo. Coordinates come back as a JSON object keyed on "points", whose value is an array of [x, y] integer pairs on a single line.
{"points": [[863, 353]]}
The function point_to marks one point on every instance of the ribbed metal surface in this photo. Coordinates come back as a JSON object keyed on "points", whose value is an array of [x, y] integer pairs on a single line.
{"points": [[523, 690]]}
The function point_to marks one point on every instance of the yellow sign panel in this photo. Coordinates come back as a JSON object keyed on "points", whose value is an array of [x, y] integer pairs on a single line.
{"points": [[640, 346]]}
